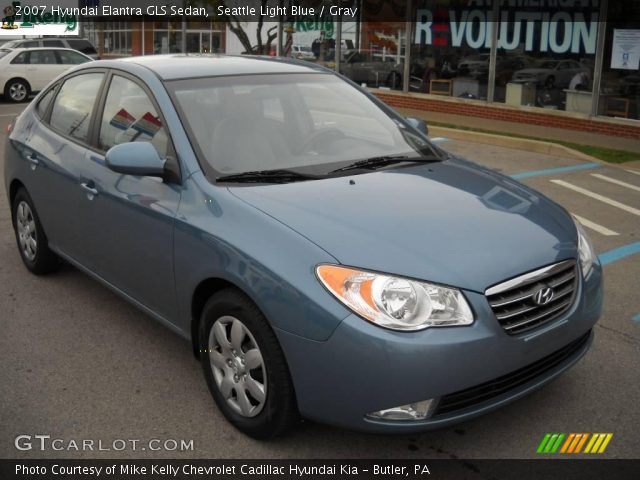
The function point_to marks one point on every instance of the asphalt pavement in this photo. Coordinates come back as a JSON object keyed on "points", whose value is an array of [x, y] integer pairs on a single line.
{"points": [[79, 363]]}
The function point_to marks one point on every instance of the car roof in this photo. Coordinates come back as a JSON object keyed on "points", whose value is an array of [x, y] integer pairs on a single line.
{"points": [[23, 49], [180, 66]]}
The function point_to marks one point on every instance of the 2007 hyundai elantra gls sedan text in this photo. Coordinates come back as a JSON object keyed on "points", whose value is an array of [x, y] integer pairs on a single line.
{"points": [[324, 258]]}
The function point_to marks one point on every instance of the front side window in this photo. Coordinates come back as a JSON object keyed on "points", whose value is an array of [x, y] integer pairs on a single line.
{"points": [[129, 116], [74, 104], [312, 122], [71, 58]]}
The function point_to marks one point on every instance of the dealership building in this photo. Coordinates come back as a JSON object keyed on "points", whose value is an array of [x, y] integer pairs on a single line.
{"points": [[563, 64]]}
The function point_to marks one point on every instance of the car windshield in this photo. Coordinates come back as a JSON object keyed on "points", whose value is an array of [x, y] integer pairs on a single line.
{"points": [[313, 123]]}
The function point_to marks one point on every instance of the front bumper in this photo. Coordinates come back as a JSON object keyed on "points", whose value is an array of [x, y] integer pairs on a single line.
{"points": [[363, 368]]}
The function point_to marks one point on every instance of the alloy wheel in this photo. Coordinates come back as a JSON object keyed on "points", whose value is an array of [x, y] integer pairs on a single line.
{"points": [[18, 91], [238, 367], [27, 235]]}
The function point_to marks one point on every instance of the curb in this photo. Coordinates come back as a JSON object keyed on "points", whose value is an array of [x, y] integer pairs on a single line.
{"points": [[536, 146]]}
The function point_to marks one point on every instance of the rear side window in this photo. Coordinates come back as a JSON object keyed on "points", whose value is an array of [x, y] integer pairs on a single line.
{"points": [[82, 46], [73, 106], [129, 116], [52, 43], [44, 102], [42, 57]]}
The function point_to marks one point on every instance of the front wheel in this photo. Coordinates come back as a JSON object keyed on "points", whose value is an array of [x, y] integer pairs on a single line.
{"points": [[244, 366]]}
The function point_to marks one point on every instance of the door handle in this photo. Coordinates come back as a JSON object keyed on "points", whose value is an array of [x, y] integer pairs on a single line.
{"points": [[91, 191], [32, 159]]}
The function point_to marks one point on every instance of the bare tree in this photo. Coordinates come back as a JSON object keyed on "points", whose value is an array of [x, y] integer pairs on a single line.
{"points": [[238, 26]]}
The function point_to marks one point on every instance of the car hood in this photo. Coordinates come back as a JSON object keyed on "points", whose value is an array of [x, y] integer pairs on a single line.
{"points": [[450, 222]]}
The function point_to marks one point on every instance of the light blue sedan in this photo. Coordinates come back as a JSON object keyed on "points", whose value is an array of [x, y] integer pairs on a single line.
{"points": [[324, 259]]}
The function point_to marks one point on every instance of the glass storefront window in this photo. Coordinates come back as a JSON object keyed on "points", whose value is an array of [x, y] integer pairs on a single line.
{"points": [[620, 84], [450, 49], [167, 41], [546, 56]]}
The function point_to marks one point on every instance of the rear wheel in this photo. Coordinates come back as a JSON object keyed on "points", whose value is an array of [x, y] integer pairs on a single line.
{"points": [[244, 366], [30, 237], [16, 90], [550, 82]]}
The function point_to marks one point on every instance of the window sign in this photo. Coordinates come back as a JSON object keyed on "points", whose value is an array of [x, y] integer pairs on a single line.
{"points": [[626, 49]]}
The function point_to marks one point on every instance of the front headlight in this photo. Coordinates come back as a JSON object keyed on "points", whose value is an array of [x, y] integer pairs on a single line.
{"points": [[393, 302], [585, 249]]}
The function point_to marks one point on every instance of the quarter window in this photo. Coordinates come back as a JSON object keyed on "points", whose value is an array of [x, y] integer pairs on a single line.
{"points": [[129, 116], [44, 102], [73, 106], [20, 59], [71, 58]]}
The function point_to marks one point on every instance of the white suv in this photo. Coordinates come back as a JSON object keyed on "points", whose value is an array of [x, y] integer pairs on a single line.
{"points": [[79, 44], [24, 71]]}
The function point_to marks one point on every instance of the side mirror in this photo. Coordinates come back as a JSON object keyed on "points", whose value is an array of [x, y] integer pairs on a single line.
{"points": [[135, 158], [419, 124]]}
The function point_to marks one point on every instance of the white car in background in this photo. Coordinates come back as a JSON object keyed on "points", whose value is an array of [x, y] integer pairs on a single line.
{"points": [[24, 71]]}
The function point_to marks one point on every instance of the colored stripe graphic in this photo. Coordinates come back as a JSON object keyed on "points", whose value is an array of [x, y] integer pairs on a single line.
{"points": [[543, 443], [573, 443]]}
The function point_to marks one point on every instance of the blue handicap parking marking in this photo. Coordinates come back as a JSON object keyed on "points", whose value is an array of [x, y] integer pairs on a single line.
{"points": [[619, 253], [554, 171]]}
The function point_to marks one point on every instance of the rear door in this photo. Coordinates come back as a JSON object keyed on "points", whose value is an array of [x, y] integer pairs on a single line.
{"points": [[42, 68], [55, 151]]}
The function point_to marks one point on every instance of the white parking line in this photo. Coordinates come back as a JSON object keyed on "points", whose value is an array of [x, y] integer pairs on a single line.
{"points": [[603, 199], [595, 227], [637, 172], [617, 182]]}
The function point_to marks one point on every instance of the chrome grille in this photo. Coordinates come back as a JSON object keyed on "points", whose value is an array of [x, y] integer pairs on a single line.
{"points": [[514, 302]]}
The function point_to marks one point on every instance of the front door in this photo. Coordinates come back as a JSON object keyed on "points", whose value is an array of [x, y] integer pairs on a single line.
{"points": [[128, 221]]}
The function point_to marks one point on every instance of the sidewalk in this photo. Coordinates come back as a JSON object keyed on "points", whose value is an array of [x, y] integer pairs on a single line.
{"points": [[527, 130]]}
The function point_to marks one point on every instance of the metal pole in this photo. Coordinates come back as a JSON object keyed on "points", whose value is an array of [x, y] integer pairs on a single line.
{"points": [[143, 35], [338, 50], [597, 69], [493, 57], [184, 30], [407, 44]]}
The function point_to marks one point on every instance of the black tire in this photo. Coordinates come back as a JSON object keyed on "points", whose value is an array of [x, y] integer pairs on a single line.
{"points": [[279, 411], [14, 86], [44, 260], [550, 82], [394, 80]]}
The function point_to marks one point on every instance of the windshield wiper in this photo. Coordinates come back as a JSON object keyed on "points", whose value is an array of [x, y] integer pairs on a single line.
{"points": [[267, 176], [377, 162]]}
